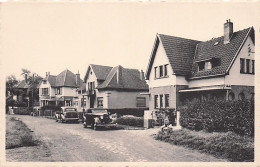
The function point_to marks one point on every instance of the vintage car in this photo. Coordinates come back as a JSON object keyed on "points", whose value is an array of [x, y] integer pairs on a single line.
{"points": [[67, 114], [96, 118]]}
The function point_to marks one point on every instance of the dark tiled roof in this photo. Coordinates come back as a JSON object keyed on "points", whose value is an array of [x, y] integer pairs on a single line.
{"points": [[225, 53], [101, 72], [22, 85], [129, 79], [180, 52], [51, 79], [65, 78]]}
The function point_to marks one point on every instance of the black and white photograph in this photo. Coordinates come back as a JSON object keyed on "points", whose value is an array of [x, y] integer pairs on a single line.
{"points": [[129, 83]]}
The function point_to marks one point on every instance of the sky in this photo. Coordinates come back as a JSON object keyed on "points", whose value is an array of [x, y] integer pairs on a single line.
{"points": [[52, 37]]}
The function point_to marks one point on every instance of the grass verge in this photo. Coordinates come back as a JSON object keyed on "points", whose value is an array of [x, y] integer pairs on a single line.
{"points": [[18, 134], [228, 145]]}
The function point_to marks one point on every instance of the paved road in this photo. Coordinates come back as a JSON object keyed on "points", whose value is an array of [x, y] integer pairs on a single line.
{"points": [[72, 142]]}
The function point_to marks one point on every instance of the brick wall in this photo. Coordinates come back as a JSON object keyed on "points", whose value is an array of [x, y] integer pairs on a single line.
{"points": [[171, 90]]}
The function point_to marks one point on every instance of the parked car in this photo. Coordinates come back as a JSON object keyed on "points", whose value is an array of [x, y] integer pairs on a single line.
{"points": [[96, 118], [67, 114]]}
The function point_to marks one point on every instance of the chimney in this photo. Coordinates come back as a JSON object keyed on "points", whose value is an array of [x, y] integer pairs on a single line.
{"points": [[119, 75], [46, 74], [142, 75], [228, 31], [78, 79]]}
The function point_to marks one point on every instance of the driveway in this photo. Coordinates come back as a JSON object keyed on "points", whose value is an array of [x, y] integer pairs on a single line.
{"points": [[72, 142]]}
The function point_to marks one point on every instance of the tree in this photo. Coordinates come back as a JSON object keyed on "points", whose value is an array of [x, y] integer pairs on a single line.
{"points": [[11, 81]]}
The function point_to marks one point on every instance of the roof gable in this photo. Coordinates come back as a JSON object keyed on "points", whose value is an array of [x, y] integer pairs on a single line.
{"points": [[216, 49], [129, 79], [179, 51], [100, 71]]}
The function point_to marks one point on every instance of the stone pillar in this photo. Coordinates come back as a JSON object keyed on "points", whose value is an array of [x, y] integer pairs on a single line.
{"points": [[178, 126]]}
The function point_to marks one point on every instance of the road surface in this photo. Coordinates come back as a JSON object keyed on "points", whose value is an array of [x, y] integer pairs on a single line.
{"points": [[72, 142]]}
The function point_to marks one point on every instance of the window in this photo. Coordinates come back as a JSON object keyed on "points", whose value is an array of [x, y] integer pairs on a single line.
{"points": [[155, 72], [208, 65], [242, 65], [44, 82], [58, 91], [91, 85], [167, 96], [201, 66], [140, 102], [155, 101], [166, 70], [45, 91], [161, 70], [100, 102], [253, 66], [161, 101], [247, 66], [83, 102]]}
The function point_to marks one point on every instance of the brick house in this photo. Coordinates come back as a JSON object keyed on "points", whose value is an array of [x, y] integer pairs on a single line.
{"points": [[59, 90], [114, 88], [182, 70]]}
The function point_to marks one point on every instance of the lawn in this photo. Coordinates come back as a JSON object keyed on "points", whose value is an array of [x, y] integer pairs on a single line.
{"points": [[18, 134], [231, 146]]}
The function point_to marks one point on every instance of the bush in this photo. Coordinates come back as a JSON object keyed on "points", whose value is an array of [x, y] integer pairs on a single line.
{"points": [[223, 116], [23, 110], [131, 121], [228, 145], [18, 134]]}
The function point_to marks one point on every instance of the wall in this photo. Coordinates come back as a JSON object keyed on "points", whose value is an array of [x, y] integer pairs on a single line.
{"points": [[120, 99], [91, 78], [161, 59], [234, 77], [207, 82], [67, 91], [171, 90], [51, 90]]}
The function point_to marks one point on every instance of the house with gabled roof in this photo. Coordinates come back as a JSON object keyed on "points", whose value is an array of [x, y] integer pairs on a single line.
{"points": [[115, 87], [183, 70], [59, 90]]}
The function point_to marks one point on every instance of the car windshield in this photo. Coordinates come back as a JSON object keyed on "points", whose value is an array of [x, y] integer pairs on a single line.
{"points": [[99, 111], [70, 110]]}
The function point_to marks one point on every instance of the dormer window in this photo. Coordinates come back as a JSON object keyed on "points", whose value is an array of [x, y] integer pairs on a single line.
{"points": [[208, 64], [201, 66]]}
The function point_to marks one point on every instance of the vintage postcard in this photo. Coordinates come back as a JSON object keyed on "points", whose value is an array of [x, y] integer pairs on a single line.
{"points": [[129, 83]]}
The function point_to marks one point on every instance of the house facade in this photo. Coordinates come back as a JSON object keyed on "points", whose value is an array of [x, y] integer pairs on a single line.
{"points": [[114, 88], [183, 70], [59, 90]]}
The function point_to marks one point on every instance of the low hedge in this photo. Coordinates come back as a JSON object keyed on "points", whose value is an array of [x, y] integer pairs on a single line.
{"points": [[138, 112], [228, 145], [23, 110], [131, 121], [221, 116]]}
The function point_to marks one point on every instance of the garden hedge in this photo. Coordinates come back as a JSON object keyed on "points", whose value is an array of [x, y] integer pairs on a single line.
{"points": [[131, 121], [23, 110], [138, 112], [220, 116]]}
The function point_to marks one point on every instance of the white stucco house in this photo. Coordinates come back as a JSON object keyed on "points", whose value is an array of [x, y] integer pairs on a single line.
{"points": [[182, 70], [114, 88], [59, 90]]}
